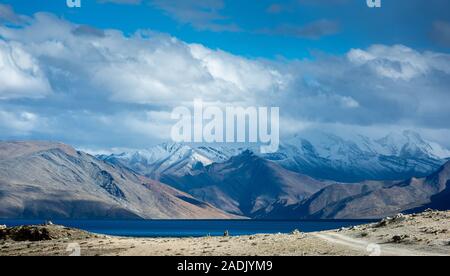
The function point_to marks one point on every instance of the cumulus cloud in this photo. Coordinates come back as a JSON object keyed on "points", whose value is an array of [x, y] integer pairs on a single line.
{"points": [[20, 74], [399, 62], [101, 87], [146, 68], [376, 87], [18, 123], [102, 79]]}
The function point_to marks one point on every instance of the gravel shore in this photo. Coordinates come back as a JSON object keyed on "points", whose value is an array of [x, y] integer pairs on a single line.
{"points": [[427, 233]]}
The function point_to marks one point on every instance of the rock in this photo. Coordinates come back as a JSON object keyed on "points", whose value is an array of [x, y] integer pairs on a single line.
{"points": [[2, 227], [399, 217], [42, 233], [399, 238], [388, 220], [383, 223], [28, 233], [396, 239]]}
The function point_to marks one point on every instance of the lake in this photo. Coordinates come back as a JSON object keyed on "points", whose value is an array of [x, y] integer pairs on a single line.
{"points": [[193, 228]]}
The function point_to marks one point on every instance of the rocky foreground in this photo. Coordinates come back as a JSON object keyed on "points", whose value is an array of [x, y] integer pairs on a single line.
{"points": [[424, 234]]}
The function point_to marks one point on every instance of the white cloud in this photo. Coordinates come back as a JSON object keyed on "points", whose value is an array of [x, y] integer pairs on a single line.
{"points": [[247, 76], [20, 74], [102, 87], [399, 62], [145, 68], [18, 123]]}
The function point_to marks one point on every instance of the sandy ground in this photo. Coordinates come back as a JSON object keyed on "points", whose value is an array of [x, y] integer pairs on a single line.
{"points": [[424, 234]]}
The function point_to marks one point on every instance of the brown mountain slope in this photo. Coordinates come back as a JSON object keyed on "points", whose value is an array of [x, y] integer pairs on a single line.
{"points": [[246, 184], [51, 180], [371, 199]]}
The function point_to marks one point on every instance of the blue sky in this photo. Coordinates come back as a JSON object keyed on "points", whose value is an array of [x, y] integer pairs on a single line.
{"points": [[265, 22], [108, 74]]}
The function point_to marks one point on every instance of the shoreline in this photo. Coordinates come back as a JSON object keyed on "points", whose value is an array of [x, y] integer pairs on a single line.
{"points": [[417, 234]]}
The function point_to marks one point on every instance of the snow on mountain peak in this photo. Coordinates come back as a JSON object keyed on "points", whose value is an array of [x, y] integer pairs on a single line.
{"points": [[316, 153], [410, 143]]}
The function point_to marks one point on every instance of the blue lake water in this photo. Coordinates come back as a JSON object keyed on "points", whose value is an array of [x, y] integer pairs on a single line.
{"points": [[192, 228]]}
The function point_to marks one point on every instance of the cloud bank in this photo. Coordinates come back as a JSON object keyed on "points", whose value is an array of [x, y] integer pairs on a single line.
{"points": [[102, 88]]}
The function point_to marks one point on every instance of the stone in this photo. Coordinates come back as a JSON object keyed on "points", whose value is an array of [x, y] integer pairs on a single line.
{"points": [[382, 223], [399, 238]]}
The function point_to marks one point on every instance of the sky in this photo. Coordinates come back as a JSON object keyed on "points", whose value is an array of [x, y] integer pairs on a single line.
{"points": [[109, 73]]}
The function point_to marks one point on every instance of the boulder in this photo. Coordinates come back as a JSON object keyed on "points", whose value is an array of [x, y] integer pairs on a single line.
{"points": [[399, 238], [42, 233], [389, 220], [29, 233]]}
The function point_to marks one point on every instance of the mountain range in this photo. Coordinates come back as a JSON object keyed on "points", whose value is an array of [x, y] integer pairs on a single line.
{"points": [[322, 176], [170, 159], [317, 154], [358, 158]]}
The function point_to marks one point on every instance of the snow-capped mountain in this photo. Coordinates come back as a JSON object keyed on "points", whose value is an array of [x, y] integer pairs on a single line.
{"points": [[170, 158], [357, 158], [246, 184], [243, 182], [317, 154]]}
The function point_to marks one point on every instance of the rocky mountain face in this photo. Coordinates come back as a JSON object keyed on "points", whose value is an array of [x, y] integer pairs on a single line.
{"points": [[245, 185], [54, 181], [371, 199], [441, 200]]}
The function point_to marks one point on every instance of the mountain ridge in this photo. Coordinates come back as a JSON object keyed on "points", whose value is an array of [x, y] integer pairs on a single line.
{"points": [[372, 200], [52, 180], [319, 155], [245, 184]]}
